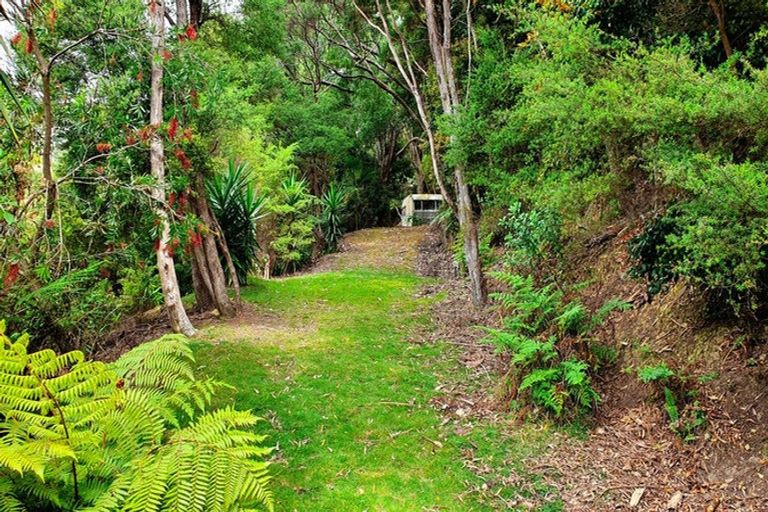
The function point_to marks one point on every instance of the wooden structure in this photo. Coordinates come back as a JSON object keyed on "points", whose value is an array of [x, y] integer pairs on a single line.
{"points": [[420, 209]]}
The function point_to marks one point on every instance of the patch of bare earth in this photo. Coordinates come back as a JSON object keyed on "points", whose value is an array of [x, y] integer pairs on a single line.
{"points": [[382, 248], [631, 450]]}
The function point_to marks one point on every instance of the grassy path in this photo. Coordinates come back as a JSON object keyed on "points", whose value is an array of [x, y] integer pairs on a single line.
{"points": [[325, 358]]}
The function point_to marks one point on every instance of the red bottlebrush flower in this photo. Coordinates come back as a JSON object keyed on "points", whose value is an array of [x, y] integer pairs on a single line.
{"points": [[52, 15], [16, 39], [100, 170], [171, 199], [173, 127], [103, 147], [183, 201], [12, 276], [194, 99], [187, 134], [146, 133], [28, 48], [170, 249], [166, 55], [191, 33], [183, 159], [140, 76], [49, 224], [131, 139], [195, 238], [120, 384]]}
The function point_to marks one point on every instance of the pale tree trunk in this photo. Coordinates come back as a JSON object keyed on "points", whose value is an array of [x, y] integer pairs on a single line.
{"points": [[165, 266], [182, 13], [440, 48]]}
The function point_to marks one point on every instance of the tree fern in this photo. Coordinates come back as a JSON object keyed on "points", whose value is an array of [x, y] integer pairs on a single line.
{"points": [[136, 435]]}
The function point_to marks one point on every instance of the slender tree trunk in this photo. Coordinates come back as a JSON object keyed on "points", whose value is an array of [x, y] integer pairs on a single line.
{"points": [[44, 67], [234, 279], [195, 12], [719, 11], [51, 191], [440, 47], [182, 13], [165, 266]]}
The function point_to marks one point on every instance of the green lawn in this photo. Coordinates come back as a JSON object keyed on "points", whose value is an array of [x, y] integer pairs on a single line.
{"points": [[346, 395]]}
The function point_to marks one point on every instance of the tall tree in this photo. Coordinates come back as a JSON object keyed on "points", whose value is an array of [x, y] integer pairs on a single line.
{"points": [[385, 22], [175, 308]]}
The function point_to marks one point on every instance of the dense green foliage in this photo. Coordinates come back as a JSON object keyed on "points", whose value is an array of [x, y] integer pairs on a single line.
{"points": [[632, 128], [137, 434], [544, 369]]}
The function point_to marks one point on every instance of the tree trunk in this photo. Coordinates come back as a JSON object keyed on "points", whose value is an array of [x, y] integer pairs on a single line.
{"points": [[469, 231], [234, 279], [195, 13], [719, 11], [211, 283], [201, 282], [165, 266], [182, 14], [50, 185], [440, 47]]}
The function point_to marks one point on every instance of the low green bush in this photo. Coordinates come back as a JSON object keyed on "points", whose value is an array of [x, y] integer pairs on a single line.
{"points": [[536, 319], [684, 412]]}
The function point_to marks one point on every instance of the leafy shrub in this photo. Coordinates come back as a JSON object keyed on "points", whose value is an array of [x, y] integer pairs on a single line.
{"points": [[554, 383], [536, 318], [685, 414], [529, 309], [531, 236], [141, 288], [658, 373], [79, 304], [237, 208], [655, 260], [294, 237], [137, 434], [716, 237]]}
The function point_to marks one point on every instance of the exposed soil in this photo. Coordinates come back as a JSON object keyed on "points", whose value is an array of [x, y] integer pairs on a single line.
{"points": [[382, 248], [630, 448], [457, 322]]}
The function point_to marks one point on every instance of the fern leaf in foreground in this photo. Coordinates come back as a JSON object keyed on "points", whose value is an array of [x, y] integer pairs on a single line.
{"points": [[136, 435]]}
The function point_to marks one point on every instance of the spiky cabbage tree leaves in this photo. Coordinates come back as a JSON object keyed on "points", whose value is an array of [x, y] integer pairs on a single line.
{"points": [[237, 207], [134, 435], [334, 214]]}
